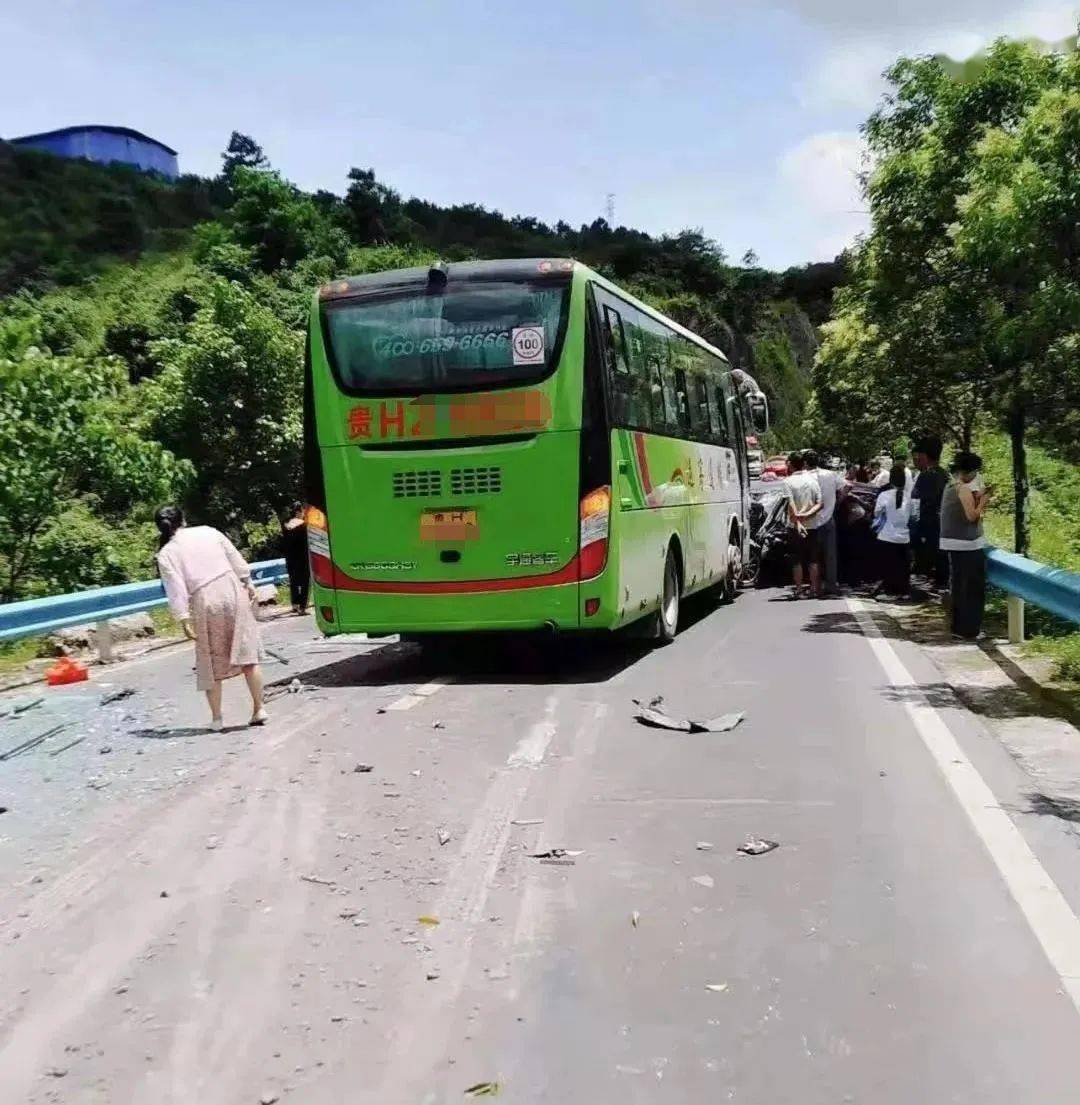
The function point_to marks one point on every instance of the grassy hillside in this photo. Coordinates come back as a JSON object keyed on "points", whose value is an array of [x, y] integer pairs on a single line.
{"points": [[151, 339], [62, 220]]}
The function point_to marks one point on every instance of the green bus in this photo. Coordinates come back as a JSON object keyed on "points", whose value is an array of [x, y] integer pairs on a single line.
{"points": [[516, 445]]}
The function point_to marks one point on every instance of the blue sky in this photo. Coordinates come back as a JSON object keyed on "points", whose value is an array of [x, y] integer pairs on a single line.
{"points": [[740, 117]]}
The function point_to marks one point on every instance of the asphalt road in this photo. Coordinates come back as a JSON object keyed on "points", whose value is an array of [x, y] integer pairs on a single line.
{"points": [[230, 918]]}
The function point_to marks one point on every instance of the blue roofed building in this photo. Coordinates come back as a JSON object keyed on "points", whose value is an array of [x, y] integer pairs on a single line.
{"points": [[106, 144]]}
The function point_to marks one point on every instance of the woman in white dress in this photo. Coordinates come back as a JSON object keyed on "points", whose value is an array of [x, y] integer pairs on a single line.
{"points": [[208, 585]]}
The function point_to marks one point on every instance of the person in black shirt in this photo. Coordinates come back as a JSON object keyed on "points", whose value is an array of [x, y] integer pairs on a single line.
{"points": [[926, 510], [294, 545]]}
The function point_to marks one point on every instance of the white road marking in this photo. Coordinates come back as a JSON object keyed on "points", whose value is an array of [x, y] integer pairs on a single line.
{"points": [[421, 694], [1052, 921], [417, 1044], [531, 748]]}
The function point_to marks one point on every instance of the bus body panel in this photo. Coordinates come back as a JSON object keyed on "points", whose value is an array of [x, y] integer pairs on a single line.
{"points": [[502, 464], [471, 513]]}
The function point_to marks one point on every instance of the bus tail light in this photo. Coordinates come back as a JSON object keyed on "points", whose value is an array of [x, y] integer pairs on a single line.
{"points": [[595, 520]]}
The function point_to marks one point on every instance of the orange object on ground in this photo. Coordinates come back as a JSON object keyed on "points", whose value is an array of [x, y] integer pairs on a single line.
{"points": [[66, 670]]}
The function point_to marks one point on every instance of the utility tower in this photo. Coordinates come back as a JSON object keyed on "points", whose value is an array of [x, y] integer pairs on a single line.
{"points": [[609, 209]]}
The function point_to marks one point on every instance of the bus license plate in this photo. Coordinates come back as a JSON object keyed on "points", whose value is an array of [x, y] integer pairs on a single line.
{"points": [[448, 525]]}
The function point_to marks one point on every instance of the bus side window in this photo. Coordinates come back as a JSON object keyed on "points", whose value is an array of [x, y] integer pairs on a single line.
{"points": [[723, 411], [614, 343], [669, 388], [716, 419]]}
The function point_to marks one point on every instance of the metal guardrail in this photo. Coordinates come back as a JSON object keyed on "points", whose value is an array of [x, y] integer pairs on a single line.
{"points": [[36, 617], [1053, 589]]}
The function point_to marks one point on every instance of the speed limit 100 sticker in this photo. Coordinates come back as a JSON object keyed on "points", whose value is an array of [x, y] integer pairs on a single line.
{"points": [[528, 344]]}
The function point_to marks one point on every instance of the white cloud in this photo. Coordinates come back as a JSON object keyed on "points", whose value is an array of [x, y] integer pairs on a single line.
{"points": [[817, 186], [864, 38]]}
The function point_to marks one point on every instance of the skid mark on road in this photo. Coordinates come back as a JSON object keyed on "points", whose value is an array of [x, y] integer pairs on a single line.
{"points": [[421, 694], [1054, 924], [419, 1043]]}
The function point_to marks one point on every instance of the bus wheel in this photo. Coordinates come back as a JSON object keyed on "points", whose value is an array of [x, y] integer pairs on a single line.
{"points": [[729, 588], [667, 617]]}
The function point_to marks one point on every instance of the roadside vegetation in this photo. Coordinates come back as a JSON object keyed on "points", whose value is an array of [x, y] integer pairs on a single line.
{"points": [[961, 316], [151, 337]]}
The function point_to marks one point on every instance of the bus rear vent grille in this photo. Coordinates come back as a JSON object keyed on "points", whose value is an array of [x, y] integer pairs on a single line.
{"points": [[413, 485], [475, 481]]}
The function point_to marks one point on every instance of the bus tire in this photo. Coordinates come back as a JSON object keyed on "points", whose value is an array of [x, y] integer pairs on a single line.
{"points": [[666, 619], [733, 573]]}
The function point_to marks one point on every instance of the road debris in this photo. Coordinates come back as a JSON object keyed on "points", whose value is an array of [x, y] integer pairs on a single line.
{"points": [[317, 880], [755, 846], [116, 696], [703, 846], [268, 1098], [33, 742], [704, 880], [349, 914], [555, 853], [716, 987], [65, 747], [443, 837], [483, 1089], [163, 894], [657, 719], [22, 707], [364, 769], [105, 749], [437, 725], [65, 671], [97, 783], [528, 821], [497, 974], [635, 917], [57, 1072], [415, 774], [427, 920], [431, 976], [276, 655]]}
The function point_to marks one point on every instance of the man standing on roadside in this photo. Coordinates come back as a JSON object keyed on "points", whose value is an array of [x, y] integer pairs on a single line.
{"points": [[804, 502], [823, 524], [926, 512]]}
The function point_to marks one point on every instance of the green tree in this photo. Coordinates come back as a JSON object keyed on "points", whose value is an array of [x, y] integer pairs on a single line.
{"points": [[66, 438], [279, 224], [950, 314], [228, 401], [242, 152]]}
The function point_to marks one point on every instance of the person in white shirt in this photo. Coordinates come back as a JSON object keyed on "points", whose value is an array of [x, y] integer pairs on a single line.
{"points": [[208, 585], [824, 522], [804, 502], [892, 517], [883, 474]]}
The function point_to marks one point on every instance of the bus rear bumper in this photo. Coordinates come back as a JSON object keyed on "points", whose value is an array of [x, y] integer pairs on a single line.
{"points": [[553, 608]]}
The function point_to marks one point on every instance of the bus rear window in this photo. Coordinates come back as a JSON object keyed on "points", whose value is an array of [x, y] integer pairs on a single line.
{"points": [[470, 336]]}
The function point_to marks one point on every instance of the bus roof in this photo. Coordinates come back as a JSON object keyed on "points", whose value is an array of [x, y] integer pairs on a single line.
{"points": [[524, 268]]}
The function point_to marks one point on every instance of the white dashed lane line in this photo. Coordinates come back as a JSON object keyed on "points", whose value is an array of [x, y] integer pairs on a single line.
{"points": [[421, 694]]}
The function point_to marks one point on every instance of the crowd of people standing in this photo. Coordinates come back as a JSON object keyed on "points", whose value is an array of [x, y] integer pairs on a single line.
{"points": [[875, 523]]}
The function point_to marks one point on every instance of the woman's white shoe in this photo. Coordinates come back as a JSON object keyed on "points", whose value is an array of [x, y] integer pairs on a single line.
{"points": [[216, 725], [260, 717]]}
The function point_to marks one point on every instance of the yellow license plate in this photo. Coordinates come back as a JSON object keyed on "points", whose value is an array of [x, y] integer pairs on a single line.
{"points": [[448, 525]]}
